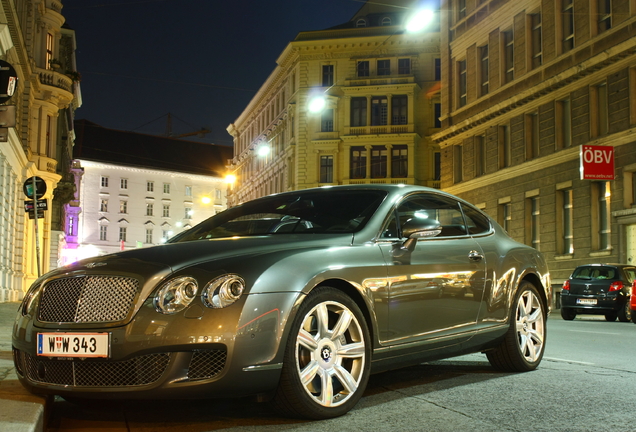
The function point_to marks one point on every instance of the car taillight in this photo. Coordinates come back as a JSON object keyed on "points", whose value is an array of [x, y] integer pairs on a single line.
{"points": [[566, 286], [616, 286]]}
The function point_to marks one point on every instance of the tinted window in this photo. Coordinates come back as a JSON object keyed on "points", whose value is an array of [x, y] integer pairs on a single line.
{"points": [[630, 272], [476, 222], [324, 211], [430, 206], [595, 272]]}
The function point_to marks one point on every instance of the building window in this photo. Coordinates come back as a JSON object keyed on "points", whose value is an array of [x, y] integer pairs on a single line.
{"points": [[461, 69], [122, 234], [504, 151], [565, 224], [166, 210], [532, 222], [326, 120], [599, 110], [567, 25], [399, 161], [480, 155], [326, 169], [399, 110], [165, 235], [104, 181], [384, 67], [379, 110], [505, 216], [437, 109], [358, 162], [458, 169], [188, 191], [149, 236], [358, 111], [103, 205], [49, 51], [537, 42], [601, 220], [563, 124], [363, 68], [150, 209], [166, 188], [103, 232], [361, 23], [327, 75], [484, 74], [386, 21], [532, 136], [150, 186], [123, 206], [604, 10], [123, 183], [461, 9], [509, 56], [188, 213], [438, 69], [437, 169], [378, 161], [404, 66]]}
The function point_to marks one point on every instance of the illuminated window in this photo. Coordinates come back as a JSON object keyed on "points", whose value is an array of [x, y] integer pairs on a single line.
{"points": [[49, 50], [103, 205], [123, 206], [326, 169]]}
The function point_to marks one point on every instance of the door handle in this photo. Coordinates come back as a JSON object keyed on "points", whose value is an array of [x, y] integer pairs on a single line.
{"points": [[475, 256]]}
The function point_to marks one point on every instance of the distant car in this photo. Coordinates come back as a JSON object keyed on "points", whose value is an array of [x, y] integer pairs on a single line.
{"points": [[296, 297], [598, 289]]}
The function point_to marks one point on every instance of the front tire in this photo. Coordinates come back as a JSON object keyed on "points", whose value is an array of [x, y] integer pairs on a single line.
{"points": [[327, 359], [524, 343]]}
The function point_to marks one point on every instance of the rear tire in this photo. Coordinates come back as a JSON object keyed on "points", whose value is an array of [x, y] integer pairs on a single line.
{"points": [[524, 343], [611, 317], [625, 314], [327, 359], [568, 314]]}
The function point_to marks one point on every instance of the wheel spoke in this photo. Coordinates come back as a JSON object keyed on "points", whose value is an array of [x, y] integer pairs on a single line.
{"points": [[342, 325], [326, 395], [346, 379], [309, 373], [306, 340], [352, 350], [322, 320]]}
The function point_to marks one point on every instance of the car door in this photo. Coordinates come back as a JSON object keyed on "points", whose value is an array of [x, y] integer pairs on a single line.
{"points": [[436, 288]]}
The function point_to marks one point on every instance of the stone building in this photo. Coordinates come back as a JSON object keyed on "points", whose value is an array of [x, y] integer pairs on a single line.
{"points": [[524, 86], [37, 141], [380, 88], [136, 190]]}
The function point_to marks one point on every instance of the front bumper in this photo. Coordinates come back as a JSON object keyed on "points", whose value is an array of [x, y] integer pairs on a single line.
{"points": [[199, 352]]}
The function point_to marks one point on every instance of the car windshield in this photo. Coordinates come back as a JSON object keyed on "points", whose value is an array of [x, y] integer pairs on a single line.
{"points": [[595, 272], [311, 212]]}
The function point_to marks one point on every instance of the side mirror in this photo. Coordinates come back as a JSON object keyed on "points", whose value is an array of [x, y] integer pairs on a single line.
{"points": [[415, 228]]}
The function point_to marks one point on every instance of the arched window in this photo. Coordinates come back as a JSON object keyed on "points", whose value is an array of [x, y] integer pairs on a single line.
{"points": [[386, 21], [361, 22]]}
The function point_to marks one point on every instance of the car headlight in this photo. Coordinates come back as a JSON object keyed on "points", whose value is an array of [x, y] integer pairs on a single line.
{"points": [[176, 295], [223, 291]]}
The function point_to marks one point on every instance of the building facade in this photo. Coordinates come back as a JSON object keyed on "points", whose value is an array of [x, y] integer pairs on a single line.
{"points": [[36, 141], [380, 89], [135, 190], [524, 86]]}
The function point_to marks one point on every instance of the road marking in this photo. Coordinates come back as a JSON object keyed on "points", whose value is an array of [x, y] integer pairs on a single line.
{"points": [[594, 332], [568, 361]]}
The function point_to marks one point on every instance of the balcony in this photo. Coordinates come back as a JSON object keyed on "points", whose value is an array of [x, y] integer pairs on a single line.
{"points": [[59, 85], [379, 130], [376, 81]]}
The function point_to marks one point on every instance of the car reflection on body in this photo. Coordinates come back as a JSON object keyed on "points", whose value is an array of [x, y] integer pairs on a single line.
{"points": [[295, 297]]}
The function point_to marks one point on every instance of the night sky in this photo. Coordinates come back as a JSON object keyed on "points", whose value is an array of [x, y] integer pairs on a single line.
{"points": [[200, 60]]}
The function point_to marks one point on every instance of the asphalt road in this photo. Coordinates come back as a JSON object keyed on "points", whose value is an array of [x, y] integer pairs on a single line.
{"points": [[586, 382]]}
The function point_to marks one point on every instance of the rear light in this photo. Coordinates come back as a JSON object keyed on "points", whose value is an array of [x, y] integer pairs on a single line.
{"points": [[566, 285], [616, 286]]}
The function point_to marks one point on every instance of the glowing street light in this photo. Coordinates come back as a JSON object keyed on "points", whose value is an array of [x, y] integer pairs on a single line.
{"points": [[420, 20], [317, 104], [263, 150]]}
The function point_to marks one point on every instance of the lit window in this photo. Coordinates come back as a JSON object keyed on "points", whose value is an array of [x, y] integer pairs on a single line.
{"points": [[326, 169], [123, 206], [103, 205]]}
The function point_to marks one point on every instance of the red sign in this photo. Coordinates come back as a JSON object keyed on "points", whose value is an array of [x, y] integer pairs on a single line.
{"points": [[597, 162]]}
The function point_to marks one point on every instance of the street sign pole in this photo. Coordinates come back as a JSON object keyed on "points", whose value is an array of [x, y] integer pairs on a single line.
{"points": [[35, 221]]}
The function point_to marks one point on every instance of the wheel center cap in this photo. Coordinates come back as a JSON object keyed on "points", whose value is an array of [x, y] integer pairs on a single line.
{"points": [[326, 353]]}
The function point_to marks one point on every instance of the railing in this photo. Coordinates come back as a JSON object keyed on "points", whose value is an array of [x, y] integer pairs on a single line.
{"points": [[55, 79], [378, 130], [374, 81]]}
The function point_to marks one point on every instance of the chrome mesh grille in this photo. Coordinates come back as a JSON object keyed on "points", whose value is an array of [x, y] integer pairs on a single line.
{"points": [[87, 299], [206, 364], [138, 371]]}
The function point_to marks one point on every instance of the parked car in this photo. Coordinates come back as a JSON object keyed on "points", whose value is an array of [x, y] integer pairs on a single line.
{"points": [[598, 289], [632, 303], [295, 297]]}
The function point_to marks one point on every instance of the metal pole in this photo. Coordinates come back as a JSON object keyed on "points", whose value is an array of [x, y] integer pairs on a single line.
{"points": [[37, 235]]}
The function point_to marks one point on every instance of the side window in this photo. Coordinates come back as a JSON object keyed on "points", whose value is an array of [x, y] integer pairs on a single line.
{"points": [[476, 222], [431, 206], [631, 274]]}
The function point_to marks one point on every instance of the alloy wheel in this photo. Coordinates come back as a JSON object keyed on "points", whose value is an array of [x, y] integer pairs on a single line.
{"points": [[530, 326]]}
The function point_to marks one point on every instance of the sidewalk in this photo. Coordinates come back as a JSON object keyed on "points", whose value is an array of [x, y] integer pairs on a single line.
{"points": [[20, 411]]}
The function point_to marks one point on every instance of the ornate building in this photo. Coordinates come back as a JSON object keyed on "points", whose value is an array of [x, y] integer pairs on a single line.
{"points": [[380, 88], [524, 86], [35, 42]]}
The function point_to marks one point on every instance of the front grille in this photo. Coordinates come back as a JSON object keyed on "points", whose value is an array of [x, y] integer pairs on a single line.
{"points": [[138, 371], [206, 364], [87, 299]]}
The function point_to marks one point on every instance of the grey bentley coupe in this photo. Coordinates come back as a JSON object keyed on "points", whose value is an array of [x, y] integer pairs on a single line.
{"points": [[295, 298]]}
